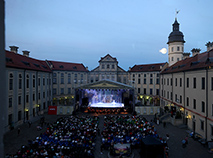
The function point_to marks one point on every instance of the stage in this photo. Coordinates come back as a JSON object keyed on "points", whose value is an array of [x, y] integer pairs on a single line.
{"points": [[106, 105]]}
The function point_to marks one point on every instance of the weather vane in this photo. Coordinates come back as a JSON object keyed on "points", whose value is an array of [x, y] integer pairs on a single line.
{"points": [[176, 13]]}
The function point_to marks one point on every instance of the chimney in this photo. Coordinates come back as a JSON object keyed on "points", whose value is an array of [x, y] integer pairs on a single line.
{"points": [[209, 46], [130, 68], [86, 67], [26, 53], [195, 51], [186, 55], [14, 49]]}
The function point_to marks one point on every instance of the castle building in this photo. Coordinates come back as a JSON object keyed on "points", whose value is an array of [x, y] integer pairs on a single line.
{"points": [[29, 87], [186, 86]]}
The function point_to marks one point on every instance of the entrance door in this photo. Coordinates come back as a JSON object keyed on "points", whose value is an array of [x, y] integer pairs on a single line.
{"points": [[27, 115], [193, 126], [33, 112]]}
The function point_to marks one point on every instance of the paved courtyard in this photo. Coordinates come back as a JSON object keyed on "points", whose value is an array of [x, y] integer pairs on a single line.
{"points": [[13, 141]]}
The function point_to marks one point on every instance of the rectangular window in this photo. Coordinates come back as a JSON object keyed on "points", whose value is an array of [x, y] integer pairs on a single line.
{"points": [[180, 82], [175, 81], [139, 81], [10, 102], [69, 80], [62, 80], [113, 66], [27, 83], [194, 82], [69, 90], [180, 98], [39, 95], [171, 82], [144, 91], [43, 81], [19, 115], [212, 109], [187, 82], [19, 83], [33, 82], [54, 91], [19, 100], [150, 91], [176, 99], [144, 81], [167, 95], [39, 81], [151, 81], [139, 90], [203, 83], [62, 90], [201, 125], [11, 84], [54, 80], [27, 98], [33, 97], [157, 91], [212, 83], [171, 96], [187, 101], [43, 94], [157, 81], [203, 106], [194, 103]]}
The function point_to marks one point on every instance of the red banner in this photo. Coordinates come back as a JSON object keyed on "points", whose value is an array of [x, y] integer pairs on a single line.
{"points": [[52, 110]]}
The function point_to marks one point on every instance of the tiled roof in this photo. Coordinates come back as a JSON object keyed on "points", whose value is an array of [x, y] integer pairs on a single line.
{"points": [[147, 67], [65, 66], [199, 61], [22, 62]]}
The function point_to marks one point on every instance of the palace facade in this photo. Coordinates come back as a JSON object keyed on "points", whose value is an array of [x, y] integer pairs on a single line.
{"points": [[183, 86]]}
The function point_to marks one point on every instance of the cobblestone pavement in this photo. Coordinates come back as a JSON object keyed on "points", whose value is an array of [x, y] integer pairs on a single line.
{"points": [[13, 141]]}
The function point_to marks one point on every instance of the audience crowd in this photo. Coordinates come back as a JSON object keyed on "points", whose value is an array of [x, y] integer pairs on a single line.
{"points": [[72, 137], [126, 129]]}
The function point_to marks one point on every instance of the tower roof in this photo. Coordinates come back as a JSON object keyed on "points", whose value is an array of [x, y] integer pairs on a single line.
{"points": [[176, 35]]}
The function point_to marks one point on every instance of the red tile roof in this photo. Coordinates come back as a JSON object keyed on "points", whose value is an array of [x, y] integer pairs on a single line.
{"points": [[199, 61], [65, 66], [22, 62], [147, 67]]}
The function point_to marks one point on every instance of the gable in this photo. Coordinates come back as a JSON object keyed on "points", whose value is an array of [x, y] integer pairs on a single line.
{"points": [[108, 58], [105, 84]]}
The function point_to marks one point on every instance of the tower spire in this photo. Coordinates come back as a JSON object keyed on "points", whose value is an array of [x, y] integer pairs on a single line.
{"points": [[176, 13]]}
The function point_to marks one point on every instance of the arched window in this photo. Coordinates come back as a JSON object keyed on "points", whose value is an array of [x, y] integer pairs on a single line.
{"points": [[178, 48]]}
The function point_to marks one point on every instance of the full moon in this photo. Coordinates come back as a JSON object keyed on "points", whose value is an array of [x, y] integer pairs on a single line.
{"points": [[163, 50]]}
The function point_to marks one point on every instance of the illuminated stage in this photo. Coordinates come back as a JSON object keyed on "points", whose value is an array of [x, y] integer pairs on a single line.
{"points": [[106, 105]]}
